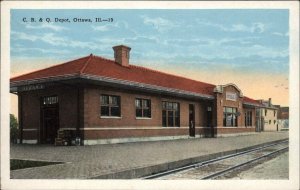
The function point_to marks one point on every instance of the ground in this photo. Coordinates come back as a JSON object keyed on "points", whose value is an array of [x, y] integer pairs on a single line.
{"points": [[276, 168], [81, 162]]}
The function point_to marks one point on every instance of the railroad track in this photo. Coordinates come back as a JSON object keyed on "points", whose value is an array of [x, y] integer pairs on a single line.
{"points": [[215, 168]]}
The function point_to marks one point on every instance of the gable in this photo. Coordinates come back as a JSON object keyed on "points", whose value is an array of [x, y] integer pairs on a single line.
{"points": [[228, 88]]}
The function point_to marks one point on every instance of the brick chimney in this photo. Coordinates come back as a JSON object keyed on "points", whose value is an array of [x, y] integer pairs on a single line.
{"points": [[122, 55]]}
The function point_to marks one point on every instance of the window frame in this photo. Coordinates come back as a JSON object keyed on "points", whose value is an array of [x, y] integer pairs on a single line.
{"points": [[172, 108], [234, 117], [50, 100], [143, 108], [266, 111], [248, 118], [110, 105]]}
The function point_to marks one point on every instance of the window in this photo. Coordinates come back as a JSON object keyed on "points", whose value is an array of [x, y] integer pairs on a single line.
{"points": [[110, 105], [274, 113], [229, 117], [274, 121], [248, 118], [143, 108], [266, 112], [49, 100], [170, 114], [269, 122]]}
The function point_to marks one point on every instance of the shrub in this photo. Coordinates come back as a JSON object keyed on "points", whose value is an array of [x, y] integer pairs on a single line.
{"points": [[14, 129], [16, 164]]}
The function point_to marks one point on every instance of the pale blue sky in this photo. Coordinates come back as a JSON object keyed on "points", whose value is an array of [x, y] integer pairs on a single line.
{"points": [[242, 40], [247, 47]]}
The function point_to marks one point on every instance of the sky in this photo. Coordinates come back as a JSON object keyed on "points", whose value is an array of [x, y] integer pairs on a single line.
{"points": [[247, 47]]}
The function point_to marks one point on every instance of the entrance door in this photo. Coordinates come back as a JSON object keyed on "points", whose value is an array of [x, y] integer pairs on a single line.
{"points": [[192, 120], [209, 121], [49, 119], [170, 114]]}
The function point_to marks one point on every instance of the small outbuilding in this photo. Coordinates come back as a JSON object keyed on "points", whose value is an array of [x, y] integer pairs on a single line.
{"points": [[268, 114]]}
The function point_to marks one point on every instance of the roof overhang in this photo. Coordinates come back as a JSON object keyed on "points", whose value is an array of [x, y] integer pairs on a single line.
{"points": [[247, 104], [270, 108], [144, 87], [108, 81], [14, 86], [251, 105]]}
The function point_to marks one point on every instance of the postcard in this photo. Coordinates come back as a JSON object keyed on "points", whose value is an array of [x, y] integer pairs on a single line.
{"points": [[150, 95]]}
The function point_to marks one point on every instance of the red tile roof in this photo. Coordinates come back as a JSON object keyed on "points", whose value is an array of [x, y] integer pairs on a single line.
{"points": [[99, 66], [251, 101], [70, 67]]}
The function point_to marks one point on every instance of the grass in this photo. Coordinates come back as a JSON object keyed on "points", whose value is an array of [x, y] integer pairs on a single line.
{"points": [[16, 164], [284, 129]]}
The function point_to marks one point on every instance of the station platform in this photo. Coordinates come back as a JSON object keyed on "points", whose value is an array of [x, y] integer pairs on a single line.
{"points": [[129, 160]]}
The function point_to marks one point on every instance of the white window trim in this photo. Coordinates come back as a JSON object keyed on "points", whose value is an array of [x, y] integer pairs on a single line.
{"points": [[142, 118], [143, 98], [111, 117]]}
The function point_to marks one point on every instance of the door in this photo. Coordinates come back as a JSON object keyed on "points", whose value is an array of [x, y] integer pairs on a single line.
{"points": [[192, 120], [170, 114], [49, 119], [209, 121]]}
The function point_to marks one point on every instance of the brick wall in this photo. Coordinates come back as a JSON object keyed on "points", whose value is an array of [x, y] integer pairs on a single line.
{"points": [[92, 118], [232, 130], [253, 116], [31, 118], [93, 126], [30, 115], [222, 102]]}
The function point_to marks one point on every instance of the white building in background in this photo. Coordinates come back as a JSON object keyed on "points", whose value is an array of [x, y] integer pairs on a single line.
{"points": [[268, 116], [283, 118]]}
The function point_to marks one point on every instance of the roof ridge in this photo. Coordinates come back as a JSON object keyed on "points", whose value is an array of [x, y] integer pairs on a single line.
{"points": [[53, 66], [86, 63], [157, 71]]}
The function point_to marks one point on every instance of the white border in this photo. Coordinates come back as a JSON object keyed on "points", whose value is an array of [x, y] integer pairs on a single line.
{"points": [[149, 5], [292, 183]]}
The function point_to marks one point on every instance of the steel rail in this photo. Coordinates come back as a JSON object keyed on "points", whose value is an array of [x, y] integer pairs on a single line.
{"points": [[230, 169], [204, 163]]}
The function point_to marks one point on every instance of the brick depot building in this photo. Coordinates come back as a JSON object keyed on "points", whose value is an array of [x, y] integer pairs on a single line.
{"points": [[100, 101]]}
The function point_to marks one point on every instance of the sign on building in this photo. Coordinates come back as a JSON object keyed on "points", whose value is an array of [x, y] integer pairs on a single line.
{"points": [[31, 87], [231, 96]]}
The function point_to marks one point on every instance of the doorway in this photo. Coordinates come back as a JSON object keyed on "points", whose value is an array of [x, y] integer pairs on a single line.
{"points": [[49, 119], [170, 114], [192, 120], [210, 122]]}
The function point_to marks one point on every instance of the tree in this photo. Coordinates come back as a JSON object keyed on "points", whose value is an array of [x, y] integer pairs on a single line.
{"points": [[14, 129]]}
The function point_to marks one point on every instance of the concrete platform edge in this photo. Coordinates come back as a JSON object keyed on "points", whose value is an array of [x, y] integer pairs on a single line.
{"points": [[135, 173]]}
